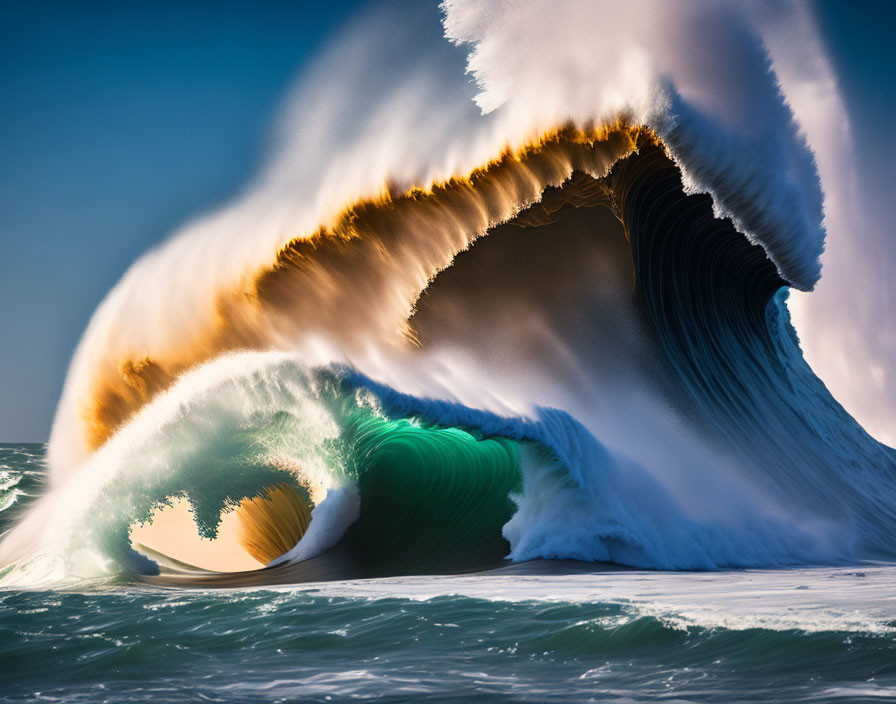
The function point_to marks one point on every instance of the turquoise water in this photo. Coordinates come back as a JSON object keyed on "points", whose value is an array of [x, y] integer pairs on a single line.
{"points": [[780, 635]]}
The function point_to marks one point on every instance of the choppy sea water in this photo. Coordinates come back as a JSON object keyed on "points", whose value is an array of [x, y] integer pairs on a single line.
{"points": [[809, 634]]}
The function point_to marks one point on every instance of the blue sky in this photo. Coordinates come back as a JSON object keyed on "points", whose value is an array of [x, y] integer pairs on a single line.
{"points": [[122, 120], [119, 122]]}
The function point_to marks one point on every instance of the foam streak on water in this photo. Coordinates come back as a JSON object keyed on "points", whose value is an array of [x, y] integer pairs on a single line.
{"points": [[860, 599]]}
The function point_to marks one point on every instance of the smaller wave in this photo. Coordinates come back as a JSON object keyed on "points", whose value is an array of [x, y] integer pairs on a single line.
{"points": [[8, 497], [21, 479]]}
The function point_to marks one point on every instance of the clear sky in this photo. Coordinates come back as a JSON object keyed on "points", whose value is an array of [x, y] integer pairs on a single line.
{"points": [[120, 121]]}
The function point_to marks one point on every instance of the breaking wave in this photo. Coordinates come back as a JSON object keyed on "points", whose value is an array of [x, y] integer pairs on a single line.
{"points": [[558, 331]]}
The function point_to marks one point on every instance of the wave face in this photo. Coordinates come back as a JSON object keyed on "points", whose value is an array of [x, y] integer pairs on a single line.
{"points": [[574, 346]]}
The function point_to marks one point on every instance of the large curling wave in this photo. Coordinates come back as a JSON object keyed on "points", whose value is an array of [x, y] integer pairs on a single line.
{"points": [[578, 348]]}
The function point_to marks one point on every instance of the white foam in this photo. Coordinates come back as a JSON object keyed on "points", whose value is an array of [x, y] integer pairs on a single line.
{"points": [[809, 599]]}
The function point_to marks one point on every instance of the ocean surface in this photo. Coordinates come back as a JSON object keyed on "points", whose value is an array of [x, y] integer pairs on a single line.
{"points": [[808, 634]]}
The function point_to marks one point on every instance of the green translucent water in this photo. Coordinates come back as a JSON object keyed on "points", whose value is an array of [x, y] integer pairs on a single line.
{"points": [[432, 499]]}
